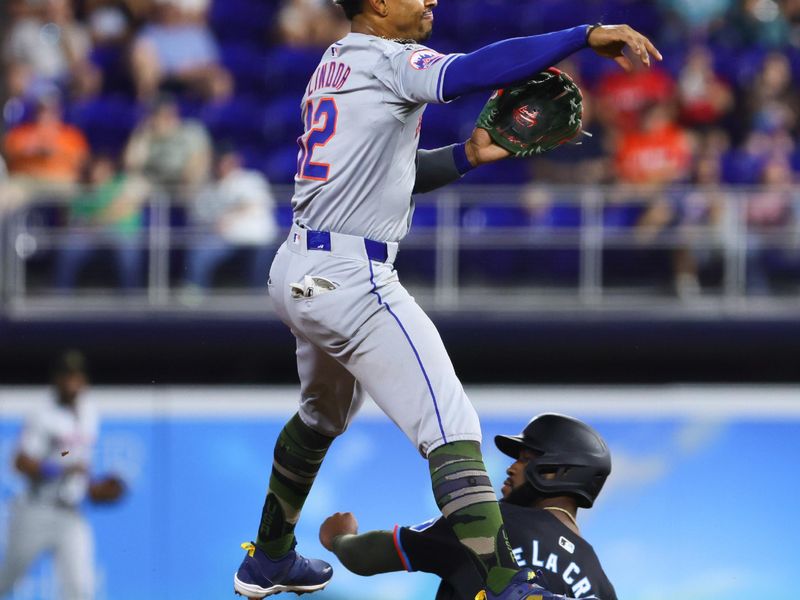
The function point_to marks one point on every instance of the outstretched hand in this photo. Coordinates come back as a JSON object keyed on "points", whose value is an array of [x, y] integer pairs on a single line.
{"points": [[610, 41], [334, 526], [482, 150]]}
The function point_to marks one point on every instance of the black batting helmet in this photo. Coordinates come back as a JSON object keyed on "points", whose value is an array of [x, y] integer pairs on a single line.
{"points": [[567, 447]]}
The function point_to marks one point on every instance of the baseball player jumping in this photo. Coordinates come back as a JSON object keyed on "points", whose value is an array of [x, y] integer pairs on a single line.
{"points": [[54, 454], [358, 330], [560, 464]]}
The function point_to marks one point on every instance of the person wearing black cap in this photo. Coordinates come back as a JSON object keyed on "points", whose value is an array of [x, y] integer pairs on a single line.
{"points": [[54, 455], [560, 465]]}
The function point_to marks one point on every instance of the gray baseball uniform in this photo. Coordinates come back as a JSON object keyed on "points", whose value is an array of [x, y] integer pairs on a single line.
{"points": [[358, 330], [46, 518]]}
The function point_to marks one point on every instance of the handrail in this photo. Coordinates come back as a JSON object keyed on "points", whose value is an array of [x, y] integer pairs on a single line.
{"points": [[452, 225]]}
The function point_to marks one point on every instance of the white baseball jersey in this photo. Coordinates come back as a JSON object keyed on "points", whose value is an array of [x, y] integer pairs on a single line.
{"points": [[48, 433], [46, 517], [362, 112]]}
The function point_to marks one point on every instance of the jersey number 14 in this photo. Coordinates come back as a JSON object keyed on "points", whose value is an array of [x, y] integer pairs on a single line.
{"points": [[320, 128]]}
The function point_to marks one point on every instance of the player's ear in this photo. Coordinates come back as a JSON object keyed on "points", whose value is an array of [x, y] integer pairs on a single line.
{"points": [[378, 6]]}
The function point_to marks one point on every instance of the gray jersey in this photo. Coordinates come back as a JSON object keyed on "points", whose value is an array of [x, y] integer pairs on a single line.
{"points": [[349, 181], [52, 431], [46, 519]]}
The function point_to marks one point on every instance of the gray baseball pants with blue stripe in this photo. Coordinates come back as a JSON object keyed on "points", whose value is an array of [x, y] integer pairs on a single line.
{"points": [[367, 336]]}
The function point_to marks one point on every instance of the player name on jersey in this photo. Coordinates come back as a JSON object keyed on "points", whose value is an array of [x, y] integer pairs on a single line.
{"points": [[332, 75], [570, 573]]}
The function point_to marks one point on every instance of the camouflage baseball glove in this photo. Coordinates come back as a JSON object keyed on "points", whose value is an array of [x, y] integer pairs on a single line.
{"points": [[535, 116]]}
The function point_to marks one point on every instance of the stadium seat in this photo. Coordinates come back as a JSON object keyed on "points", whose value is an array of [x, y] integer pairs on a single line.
{"points": [[245, 60], [280, 165], [235, 121], [288, 70], [107, 121], [242, 19]]}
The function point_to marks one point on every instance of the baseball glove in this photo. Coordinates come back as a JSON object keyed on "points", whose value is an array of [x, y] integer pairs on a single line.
{"points": [[106, 489], [535, 116]]}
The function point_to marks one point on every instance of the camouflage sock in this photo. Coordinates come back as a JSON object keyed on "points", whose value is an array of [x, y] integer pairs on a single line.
{"points": [[467, 500], [299, 452]]}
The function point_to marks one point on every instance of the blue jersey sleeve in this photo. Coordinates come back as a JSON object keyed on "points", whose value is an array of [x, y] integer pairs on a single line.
{"points": [[509, 61]]}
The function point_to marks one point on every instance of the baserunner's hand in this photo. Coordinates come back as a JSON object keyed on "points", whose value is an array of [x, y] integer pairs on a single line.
{"points": [[610, 41], [334, 526]]}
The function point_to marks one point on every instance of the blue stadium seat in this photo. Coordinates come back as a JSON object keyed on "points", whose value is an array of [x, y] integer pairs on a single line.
{"points": [[504, 172], [622, 216], [425, 216], [242, 19], [740, 66], [279, 121], [280, 165], [236, 121], [560, 216], [288, 70], [113, 61], [283, 214], [738, 167], [107, 121], [441, 126], [246, 62], [494, 215]]}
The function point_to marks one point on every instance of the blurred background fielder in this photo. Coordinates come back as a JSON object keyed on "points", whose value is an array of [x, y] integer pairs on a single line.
{"points": [[55, 452]]}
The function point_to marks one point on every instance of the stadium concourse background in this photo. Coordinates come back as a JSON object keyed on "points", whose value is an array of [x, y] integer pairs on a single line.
{"points": [[646, 281]]}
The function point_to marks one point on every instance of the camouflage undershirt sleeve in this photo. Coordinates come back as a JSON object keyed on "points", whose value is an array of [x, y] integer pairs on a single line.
{"points": [[368, 553]]}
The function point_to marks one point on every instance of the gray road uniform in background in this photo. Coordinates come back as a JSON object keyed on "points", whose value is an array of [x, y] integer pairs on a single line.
{"points": [[46, 517], [332, 282]]}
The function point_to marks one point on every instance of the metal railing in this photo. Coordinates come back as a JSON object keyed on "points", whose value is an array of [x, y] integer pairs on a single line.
{"points": [[532, 248]]}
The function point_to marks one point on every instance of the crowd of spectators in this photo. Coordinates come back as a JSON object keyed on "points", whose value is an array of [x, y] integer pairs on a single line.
{"points": [[107, 102]]}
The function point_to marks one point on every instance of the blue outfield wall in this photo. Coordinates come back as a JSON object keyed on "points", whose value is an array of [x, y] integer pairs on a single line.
{"points": [[701, 502]]}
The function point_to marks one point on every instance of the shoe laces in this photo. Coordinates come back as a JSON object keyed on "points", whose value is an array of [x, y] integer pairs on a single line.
{"points": [[250, 547]]}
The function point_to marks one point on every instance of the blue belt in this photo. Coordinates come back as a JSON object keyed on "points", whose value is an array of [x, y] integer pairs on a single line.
{"points": [[321, 240]]}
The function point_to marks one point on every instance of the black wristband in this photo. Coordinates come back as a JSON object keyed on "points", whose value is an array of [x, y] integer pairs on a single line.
{"points": [[590, 29]]}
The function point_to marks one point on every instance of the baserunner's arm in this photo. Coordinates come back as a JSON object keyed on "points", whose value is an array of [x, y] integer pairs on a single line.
{"points": [[509, 61], [431, 547], [368, 553]]}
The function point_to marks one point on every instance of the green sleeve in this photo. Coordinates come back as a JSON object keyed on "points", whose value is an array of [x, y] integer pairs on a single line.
{"points": [[368, 553]]}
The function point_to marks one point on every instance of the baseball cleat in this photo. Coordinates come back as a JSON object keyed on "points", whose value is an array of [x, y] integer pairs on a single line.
{"points": [[523, 586], [260, 576]]}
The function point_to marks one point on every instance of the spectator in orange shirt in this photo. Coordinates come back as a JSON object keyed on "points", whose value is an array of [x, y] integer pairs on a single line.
{"points": [[659, 154], [46, 156]]}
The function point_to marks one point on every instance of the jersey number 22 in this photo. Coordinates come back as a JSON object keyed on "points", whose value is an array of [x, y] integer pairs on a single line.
{"points": [[320, 128]]}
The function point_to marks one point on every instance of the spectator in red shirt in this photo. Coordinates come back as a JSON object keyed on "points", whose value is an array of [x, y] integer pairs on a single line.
{"points": [[624, 97]]}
